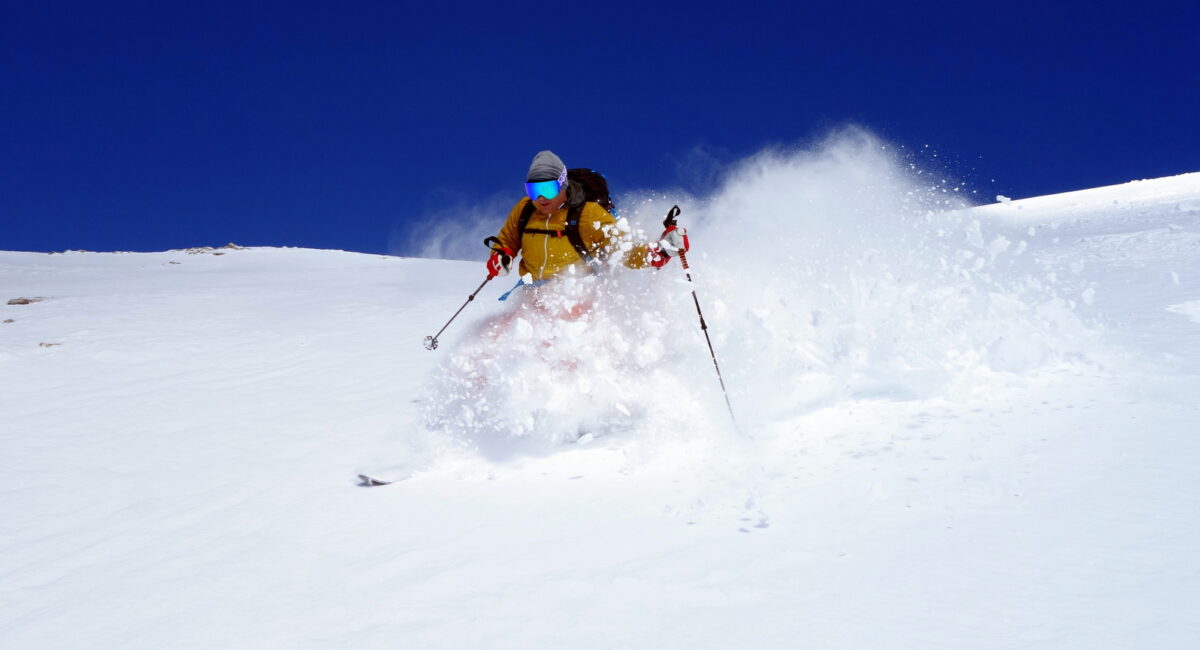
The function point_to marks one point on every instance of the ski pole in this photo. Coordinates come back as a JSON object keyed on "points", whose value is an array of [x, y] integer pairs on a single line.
{"points": [[667, 223], [431, 342]]}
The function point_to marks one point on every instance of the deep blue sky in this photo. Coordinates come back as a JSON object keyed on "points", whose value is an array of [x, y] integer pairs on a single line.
{"points": [[147, 126]]}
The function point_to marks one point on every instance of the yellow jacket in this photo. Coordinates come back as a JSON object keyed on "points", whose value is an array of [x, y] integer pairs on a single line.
{"points": [[545, 256]]}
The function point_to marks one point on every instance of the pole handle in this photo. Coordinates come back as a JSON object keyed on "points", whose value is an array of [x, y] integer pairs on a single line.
{"points": [[673, 220], [671, 217]]}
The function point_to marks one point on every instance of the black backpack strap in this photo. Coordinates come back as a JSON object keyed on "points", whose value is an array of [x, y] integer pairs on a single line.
{"points": [[577, 239], [523, 220]]}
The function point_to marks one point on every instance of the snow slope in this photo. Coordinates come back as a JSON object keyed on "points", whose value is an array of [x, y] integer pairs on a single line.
{"points": [[960, 427]]}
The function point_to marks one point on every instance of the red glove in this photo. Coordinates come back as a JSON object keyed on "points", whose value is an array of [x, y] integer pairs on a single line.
{"points": [[500, 261], [674, 241]]}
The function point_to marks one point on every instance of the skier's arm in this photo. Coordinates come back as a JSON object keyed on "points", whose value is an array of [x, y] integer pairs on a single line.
{"points": [[601, 233], [505, 245], [508, 232]]}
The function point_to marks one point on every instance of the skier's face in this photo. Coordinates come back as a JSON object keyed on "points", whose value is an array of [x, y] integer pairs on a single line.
{"points": [[548, 206]]}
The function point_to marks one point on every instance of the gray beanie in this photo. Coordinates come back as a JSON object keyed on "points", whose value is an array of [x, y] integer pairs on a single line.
{"points": [[546, 167]]}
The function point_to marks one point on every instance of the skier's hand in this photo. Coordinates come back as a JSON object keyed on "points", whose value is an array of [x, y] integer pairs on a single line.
{"points": [[674, 241], [500, 262]]}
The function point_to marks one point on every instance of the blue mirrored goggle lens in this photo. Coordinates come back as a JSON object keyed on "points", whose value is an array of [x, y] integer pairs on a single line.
{"points": [[544, 189]]}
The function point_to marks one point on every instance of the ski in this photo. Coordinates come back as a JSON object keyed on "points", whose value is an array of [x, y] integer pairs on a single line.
{"points": [[371, 481]]}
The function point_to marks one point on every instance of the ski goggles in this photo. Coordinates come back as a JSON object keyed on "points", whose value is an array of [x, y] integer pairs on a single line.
{"points": [[546, 189]]}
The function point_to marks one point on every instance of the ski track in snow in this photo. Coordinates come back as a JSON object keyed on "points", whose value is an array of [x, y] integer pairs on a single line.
{"points": [[179, 468]]}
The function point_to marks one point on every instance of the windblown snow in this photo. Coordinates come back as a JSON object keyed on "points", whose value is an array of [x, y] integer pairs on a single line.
{"points": [[956, 427]]}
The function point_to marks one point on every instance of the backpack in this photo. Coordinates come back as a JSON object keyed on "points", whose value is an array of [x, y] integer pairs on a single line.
{"points": [[595, 190]]}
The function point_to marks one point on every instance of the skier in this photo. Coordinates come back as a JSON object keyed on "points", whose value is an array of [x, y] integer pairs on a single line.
{"points": [[562, 223], [553, 351]]}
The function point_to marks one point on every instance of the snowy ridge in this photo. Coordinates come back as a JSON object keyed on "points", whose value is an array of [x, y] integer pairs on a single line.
{"points": [[965, 429], [1100, 202]]}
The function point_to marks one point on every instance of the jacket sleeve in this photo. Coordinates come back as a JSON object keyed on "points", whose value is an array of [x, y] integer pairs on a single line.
{"points": [[508, 232], [602, 234]]}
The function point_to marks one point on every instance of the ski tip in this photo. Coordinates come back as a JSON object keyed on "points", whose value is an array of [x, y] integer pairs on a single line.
{"points": [[371, 481]]}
